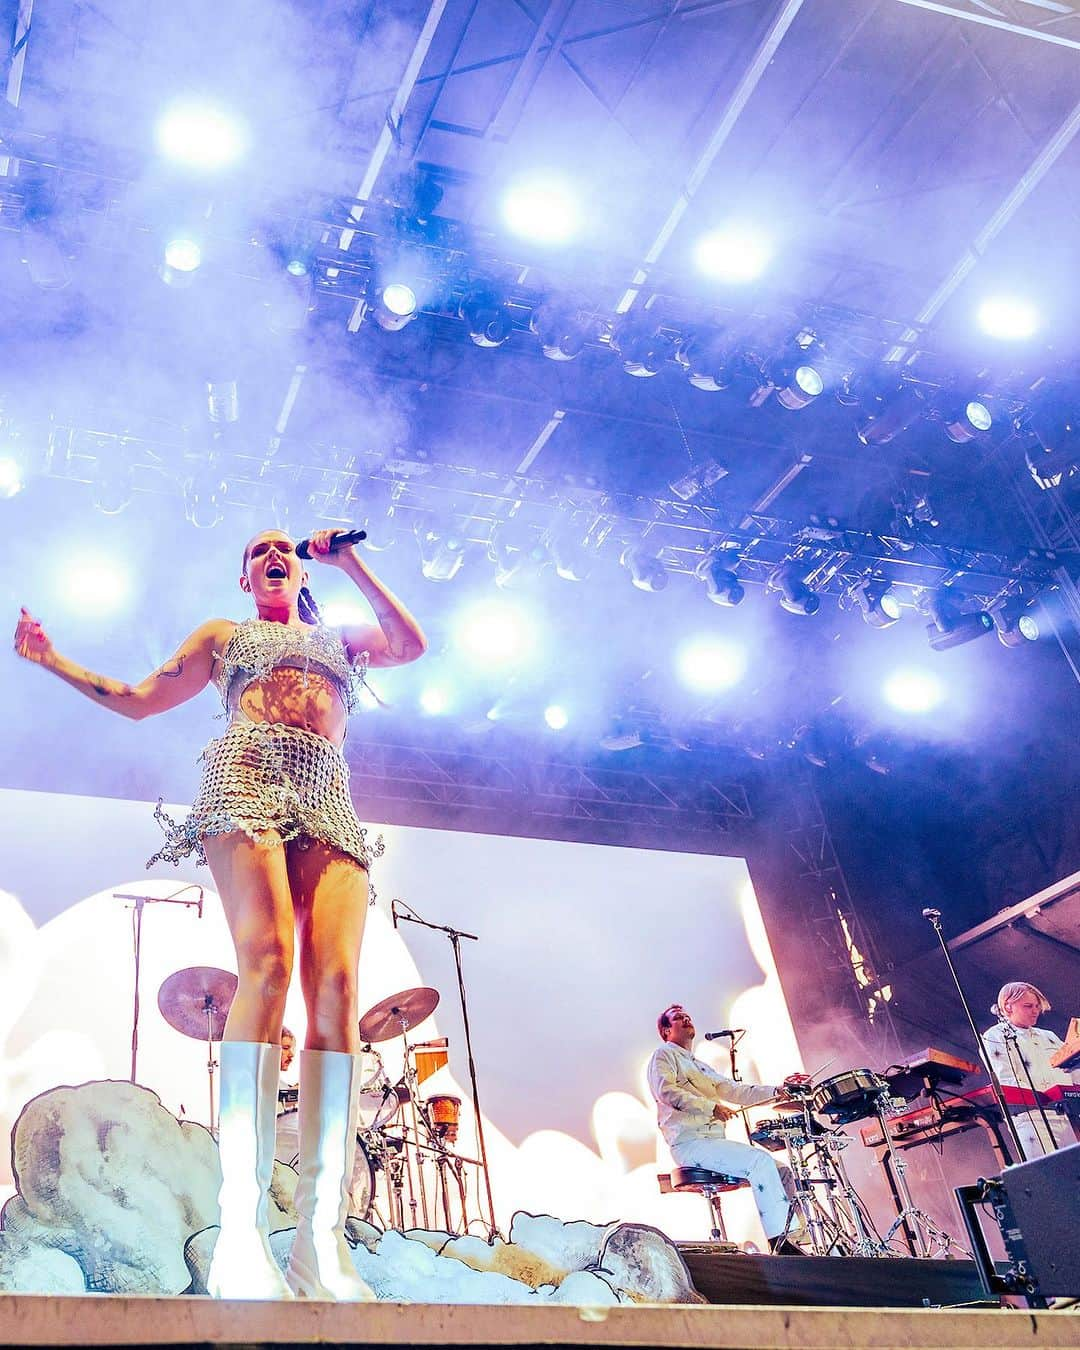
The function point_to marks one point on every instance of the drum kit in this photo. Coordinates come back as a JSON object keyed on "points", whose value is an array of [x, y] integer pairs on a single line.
{"points": [[405, 1137], [825, 1203]]}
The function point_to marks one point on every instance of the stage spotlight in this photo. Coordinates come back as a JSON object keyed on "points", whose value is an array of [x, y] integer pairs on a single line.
{"points": [[884, 415], [393, 306], [809, 742], [1015, 622], [12, 480], [646, 570], [491, 633], [965, 423], [879, 606], [709, 665], [201, 136], [722, 586], [181, 260], [562, 333], [97, 585], [556, 716], [644, 354], [203, 493], [299, 262], [733, 254], [488, 318], [442, 553], [568, 553], [950, 625], [542, 209], [434, 700], [797, 387], [1008, 317], [45, 253], [789, 582], [516, 567], [914, 691], [709, 363]]}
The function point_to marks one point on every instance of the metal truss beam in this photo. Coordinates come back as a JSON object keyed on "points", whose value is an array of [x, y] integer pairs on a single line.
{"points": [[751, 544], [1060, 24], [475, 785], [732, 111]]}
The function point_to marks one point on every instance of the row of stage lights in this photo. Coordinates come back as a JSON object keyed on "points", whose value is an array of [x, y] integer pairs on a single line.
{"points": [[206, 138], [543, 207]]}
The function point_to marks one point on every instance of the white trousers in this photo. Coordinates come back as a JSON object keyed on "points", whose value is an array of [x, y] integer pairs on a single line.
{"points": [[1033, 1135], [769, 1180]]}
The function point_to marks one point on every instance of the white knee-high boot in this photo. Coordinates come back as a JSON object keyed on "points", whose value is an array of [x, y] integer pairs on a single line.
{"points": [[243, 1266], [320, 1265]]}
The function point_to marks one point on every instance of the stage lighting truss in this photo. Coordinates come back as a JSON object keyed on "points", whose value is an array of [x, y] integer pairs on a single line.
{"points": [[951, 625], [883, 413], [710, 362], [797, 377], [789, 582]]}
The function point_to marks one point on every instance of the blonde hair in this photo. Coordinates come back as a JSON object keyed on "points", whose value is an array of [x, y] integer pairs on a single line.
{"points": [[1009, 993]]}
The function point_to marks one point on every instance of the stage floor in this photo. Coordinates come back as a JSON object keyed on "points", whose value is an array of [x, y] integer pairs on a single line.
{"points": [[112, 1320]]}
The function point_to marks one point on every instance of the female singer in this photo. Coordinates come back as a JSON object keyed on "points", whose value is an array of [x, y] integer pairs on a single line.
{"points": [[274, 820]]}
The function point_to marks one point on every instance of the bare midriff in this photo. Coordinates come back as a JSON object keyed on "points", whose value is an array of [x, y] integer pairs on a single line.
{"points": [[295, 699]]}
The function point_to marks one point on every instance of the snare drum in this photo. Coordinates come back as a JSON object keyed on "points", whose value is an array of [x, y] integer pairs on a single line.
{"points": [[445, 1114], [849, 1096], [362, 1183]]}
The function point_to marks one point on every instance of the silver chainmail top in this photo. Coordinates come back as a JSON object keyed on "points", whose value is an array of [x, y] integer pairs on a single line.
{"points": [[262, 777], [258, 646]]}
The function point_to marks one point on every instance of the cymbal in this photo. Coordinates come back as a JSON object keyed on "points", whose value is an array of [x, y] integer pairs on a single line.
{"points": [[186, 997], [399, 1012]]}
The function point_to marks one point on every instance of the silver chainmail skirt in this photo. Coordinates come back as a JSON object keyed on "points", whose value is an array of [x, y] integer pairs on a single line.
{"points": [[265, 776]]}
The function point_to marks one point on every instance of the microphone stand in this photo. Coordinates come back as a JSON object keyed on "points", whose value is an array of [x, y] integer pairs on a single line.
{"points": [[455, 935], [139, 903], [1008, 1032], [934, 916]]}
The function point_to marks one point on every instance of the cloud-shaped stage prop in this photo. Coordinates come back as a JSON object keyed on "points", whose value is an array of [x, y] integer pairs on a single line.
{"points": [[117, 1195]]}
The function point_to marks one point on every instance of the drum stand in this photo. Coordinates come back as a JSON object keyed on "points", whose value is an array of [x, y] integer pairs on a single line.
{"points": [[848, 1208], [822, 1224], [923, 1236]]}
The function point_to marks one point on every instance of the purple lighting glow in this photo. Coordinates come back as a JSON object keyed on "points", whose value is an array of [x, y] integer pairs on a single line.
{"points": [[914, 691]]}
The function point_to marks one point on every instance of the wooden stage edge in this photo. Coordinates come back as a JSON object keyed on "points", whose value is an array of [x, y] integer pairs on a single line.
{"points": [[113, 1320]]}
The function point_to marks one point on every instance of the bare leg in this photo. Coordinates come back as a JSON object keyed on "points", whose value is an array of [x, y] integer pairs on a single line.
{"points": [[253, 882], [254, 887], [330, 892]]}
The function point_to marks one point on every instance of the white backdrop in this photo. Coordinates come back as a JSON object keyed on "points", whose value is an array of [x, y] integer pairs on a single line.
{"points": [[580, 946]]}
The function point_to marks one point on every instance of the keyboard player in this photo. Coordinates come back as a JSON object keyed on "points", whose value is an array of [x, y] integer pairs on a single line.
{"points": [[1020, 1052]]}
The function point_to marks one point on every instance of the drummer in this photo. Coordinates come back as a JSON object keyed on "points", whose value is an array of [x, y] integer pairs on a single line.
{"points": [[691, 1108], [288, 1054]]}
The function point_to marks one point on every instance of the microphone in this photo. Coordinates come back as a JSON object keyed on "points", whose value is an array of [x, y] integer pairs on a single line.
{"points": [[343, 539], [931, 914], [728, 1031]]}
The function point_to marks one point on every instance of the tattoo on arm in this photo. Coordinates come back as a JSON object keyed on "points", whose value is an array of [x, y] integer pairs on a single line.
{"points": [[100, 686], [173, 669]]}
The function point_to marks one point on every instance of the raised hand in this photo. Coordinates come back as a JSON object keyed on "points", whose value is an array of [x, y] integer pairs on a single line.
{"points": [[31, 641], [320, 548]]}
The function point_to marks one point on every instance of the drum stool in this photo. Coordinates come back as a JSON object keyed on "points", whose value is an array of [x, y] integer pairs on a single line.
{"points": [[712, 1185]]}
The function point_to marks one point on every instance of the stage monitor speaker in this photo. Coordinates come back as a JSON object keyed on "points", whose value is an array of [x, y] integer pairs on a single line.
{"points": [[1042, 1197]]}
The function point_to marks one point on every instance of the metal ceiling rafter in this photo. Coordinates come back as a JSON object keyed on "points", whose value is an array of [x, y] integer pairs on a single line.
{"points": [[16, 65], [740, 97], [1040, 166], [987, 20]]}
